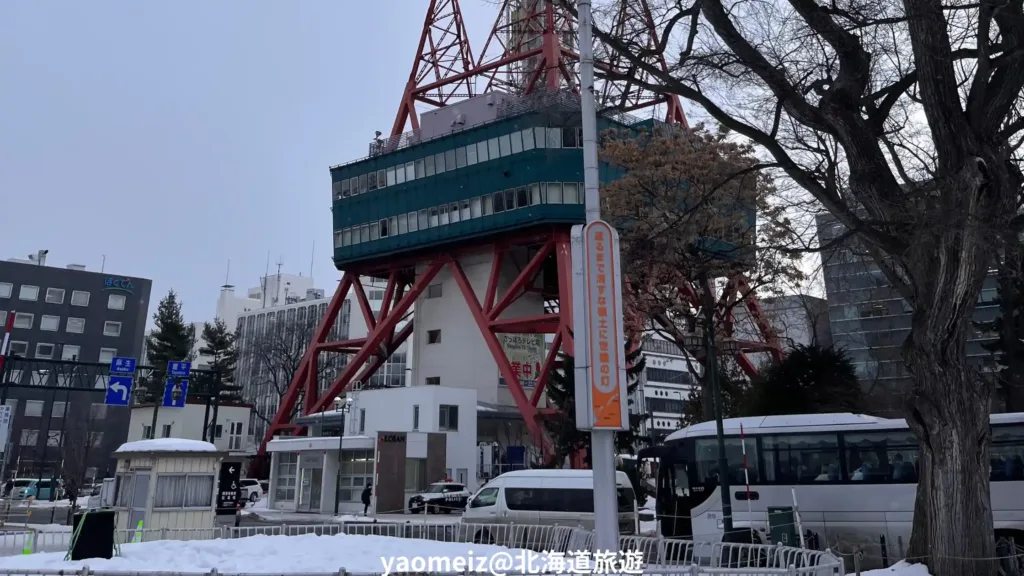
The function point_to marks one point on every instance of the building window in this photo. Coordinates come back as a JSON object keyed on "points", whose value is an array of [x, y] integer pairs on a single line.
{"points": [[147, 432], [356, 473], [23, 320], [44, 350], [3, 317], [54, 437], [287, 471], [79, 298], [165, 431], [218, 431], [97, 411], [29, 437], [107, 354], [54, 295], [235, 439], [27, 292], [434, 291], [49, 323], [433, 380], [416, 474], [34, 408], [6, 288], [416, 417], [115, 302], [69, 352], [433, 336], [184, 491], [19, 349], [448, 418], [362, 420], [57, 409], [75, 325], [111, 328]]}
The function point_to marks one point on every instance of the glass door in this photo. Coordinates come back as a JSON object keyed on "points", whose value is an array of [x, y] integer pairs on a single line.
{"points": [[140, 498], [315, 489], [305, 489]]}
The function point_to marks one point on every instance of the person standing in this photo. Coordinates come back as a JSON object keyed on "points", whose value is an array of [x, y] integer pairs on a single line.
{"points": [[367, 492]]}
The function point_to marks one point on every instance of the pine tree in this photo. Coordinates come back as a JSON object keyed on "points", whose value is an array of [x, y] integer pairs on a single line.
{"points": [[219, 344], [810, 380], [170, 340], [561, 392]]}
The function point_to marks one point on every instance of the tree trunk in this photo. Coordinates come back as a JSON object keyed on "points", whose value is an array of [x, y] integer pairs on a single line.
{"points": [[948, 411]]}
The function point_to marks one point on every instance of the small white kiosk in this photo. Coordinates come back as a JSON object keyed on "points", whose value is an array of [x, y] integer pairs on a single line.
{"points": [[167, 483]]}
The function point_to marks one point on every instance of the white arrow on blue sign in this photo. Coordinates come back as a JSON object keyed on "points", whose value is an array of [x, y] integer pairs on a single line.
{"points": [[175, 393], [119, 391], [122, 366], [179, 369]]}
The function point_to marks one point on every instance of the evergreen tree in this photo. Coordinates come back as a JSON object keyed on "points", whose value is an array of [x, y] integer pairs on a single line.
{"points": [[561, 392], [170, 340], [810, 380], [219, 344]]}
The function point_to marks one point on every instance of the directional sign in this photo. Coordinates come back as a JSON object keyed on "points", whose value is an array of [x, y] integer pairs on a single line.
{"points": [[122, 366], [5, 426], [175, 392], [119, 390], [179, 369], [227, 487]]}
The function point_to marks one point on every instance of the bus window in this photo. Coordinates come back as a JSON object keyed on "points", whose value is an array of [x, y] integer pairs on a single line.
{"points": [[882, 457], [1007, 454], [706, 450], [682, 482], [801, 459]]}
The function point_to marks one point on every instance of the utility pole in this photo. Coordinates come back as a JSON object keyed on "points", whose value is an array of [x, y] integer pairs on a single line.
{"points": [[711, 373]]}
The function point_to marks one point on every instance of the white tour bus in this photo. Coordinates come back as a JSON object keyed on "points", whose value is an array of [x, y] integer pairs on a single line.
{"points": [[854, 476]]}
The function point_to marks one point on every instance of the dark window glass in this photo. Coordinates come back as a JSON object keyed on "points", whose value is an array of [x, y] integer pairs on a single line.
{"points": [[569, 138], [889, 457], [706, 453], [499, 202], [522, 197], [1007, 454], [801, 459], [346, 188], [372, 180], [449, 159], [510, 199], [573, 500]]}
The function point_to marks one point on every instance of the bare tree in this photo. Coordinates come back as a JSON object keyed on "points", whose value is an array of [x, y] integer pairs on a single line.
{"points": [[903, 120]]}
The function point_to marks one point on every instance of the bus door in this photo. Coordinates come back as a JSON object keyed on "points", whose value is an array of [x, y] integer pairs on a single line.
{"points": [[673, 499]]}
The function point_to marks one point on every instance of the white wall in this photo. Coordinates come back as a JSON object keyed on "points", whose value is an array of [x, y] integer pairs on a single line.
{"points": [[391, 410], [187, 423], [462, 358]]}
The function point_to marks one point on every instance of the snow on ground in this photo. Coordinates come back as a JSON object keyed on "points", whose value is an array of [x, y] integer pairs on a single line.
{"points": [[166, 445], [260, 554], [898, 569], [649, 527]]}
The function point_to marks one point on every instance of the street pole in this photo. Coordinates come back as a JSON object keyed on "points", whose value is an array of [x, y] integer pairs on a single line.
{"points": [[711, 373], [343, 407], [602, 442]]}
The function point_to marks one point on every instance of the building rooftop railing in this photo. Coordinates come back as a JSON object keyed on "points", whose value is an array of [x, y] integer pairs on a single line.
{"points": [[564, 101]]}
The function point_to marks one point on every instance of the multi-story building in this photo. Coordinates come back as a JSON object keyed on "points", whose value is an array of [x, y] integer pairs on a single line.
{"points": [[274, 330], [67, 314], [870, 320], [664, 386]]}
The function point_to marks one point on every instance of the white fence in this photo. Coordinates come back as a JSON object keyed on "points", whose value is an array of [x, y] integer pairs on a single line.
{"points": [[661, 556]]}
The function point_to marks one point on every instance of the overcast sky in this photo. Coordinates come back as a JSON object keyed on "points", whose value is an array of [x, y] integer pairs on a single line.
{"points": [[175, 135]]}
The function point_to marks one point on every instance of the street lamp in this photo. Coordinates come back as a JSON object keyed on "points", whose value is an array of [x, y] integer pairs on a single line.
{"points": [[342, 406]]}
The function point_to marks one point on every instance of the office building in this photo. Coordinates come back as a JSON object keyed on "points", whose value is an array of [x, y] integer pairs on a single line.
{"points": [[69, 314], [870, 320]]}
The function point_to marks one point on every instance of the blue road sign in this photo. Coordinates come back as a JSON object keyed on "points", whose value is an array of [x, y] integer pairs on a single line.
{"points": [[119, 390], [122, 366], [179, 369], [175, 393]]}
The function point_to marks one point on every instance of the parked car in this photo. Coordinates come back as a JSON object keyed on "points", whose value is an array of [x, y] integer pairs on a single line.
{"points": [[25, 488], [440, 497], [252, 490]]}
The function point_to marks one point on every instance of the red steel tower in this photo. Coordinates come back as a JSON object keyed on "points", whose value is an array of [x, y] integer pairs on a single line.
{"points": [[530, 51]]}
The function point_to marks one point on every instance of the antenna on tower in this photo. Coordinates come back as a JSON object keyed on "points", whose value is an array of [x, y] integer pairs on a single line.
{"points": [[263, 283], [277, 283], [227, 275]]}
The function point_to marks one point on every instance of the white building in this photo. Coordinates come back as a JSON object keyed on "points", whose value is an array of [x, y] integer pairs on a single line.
{"points": [[230, 433], [665, 385], [304, 470]]}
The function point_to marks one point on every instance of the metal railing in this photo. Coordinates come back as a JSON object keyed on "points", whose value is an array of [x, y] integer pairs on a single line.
{"points": [[659, 555]]}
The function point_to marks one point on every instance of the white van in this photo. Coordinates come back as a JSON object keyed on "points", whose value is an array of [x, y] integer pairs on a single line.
{"points": [[546, 497]]}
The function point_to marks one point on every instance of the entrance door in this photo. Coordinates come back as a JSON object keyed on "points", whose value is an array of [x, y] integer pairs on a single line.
{"points": [[140, 497], [312, 486]]}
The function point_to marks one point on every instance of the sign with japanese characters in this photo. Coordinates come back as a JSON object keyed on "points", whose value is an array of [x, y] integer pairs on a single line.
{"points": [[526, 354]]}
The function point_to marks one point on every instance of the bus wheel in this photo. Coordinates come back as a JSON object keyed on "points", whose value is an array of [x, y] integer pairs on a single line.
{"points": [[743, 550], [483, 537]]}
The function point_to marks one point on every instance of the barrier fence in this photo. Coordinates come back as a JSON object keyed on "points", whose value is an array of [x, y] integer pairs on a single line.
{"points": [[660, 555]]}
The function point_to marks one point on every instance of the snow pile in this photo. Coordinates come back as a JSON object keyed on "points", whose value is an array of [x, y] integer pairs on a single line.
{"points": [[898, 569], [259, 555], [166, 445]]}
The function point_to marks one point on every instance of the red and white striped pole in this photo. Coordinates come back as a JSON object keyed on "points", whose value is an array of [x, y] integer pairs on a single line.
{"points": [[7, 339], [746, 478]]}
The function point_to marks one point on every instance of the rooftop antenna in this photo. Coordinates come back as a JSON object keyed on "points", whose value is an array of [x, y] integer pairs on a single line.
{"points": [[263, 282], [277, 285], [227, 275], [312, 254], [103, 265]]}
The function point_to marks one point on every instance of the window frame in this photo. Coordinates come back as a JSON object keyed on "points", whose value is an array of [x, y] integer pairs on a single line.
{"points": [[107, 323], [111, 298], [23, 296], [77, 293], [6, 290], [46, 298], [67, 325], [31, 320]]}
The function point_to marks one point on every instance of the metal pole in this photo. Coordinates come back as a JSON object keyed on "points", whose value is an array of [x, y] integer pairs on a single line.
{"points": [[711, 368], [602, 442], [337, 476]]}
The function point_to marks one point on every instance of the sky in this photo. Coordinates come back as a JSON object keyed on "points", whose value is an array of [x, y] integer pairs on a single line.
{"points": [[174, 136]]}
